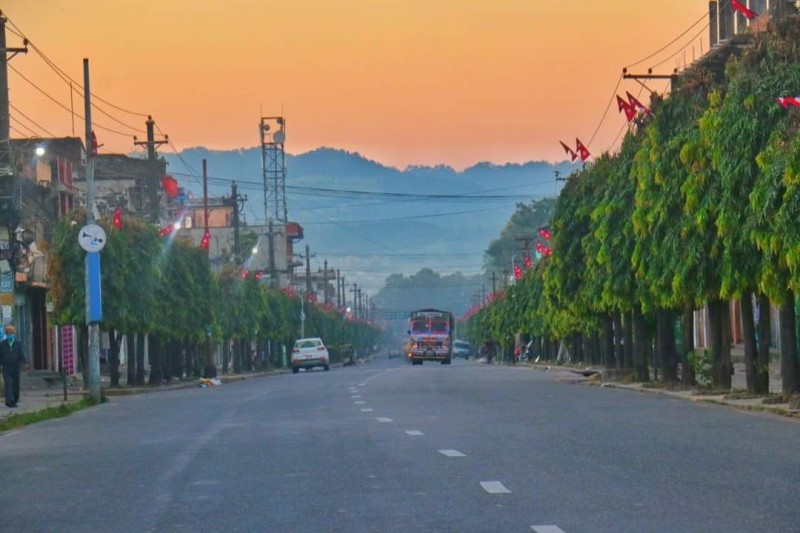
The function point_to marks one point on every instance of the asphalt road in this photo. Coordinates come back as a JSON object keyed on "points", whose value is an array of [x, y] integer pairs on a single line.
{"points": [[388, 446]]}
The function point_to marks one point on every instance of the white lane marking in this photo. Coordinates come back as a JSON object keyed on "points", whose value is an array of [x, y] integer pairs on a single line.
{"points": [[384, 419], [356, 396], [494, 487], [367, 410], [452, 453], [547, 529], [414, 433], [360, 402]]}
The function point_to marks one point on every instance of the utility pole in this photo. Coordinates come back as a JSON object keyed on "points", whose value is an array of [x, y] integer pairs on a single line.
{"points": [[338, 290], [354, 290], [494, 282], [236, 201], [5, 117], [152, 185], [94, 305], [344, 293]]}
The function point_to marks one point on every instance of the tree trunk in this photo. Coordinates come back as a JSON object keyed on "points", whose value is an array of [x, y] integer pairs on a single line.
{"points": [[687, 346], [749, 340], [156, 351], [789, 369], [140, 342], [639, 345], [720, 367], [210, 370], [130, 345], [226, 355], [83, 353], [607, 339], [627, 342], [113, 357], [665, 346], [577, 346], [764, 332], [237, 356]]}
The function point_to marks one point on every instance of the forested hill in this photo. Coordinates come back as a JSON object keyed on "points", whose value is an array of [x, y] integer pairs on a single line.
{"points": [[371, 220]]}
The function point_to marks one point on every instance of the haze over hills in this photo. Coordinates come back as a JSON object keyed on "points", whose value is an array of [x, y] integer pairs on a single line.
{"points": [[370, 220]]}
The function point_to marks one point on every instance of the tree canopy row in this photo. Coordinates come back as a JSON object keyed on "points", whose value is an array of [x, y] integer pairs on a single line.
{"points": [[165, 289], [697, 209]]}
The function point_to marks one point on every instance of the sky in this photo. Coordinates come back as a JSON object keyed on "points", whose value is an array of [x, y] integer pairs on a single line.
{"points": [[403, 82]]}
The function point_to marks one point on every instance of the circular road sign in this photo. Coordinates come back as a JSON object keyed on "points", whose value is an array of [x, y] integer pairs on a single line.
{"points": [[92, 238]]}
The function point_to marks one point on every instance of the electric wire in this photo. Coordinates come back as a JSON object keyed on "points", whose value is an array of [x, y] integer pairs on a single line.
{"points": [[605, 114], [68, 110], [64, 75], [23, 125], [687, 30], [698, 34], [15, 108]]}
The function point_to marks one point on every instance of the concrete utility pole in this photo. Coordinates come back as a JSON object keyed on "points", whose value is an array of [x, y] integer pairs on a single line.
{"points": [[236, 201], [494, 282], [205, 203], [344, 292], [354, 290], [5, 117], [92, 261], [325, 286], [152, 186], [338, 290]]}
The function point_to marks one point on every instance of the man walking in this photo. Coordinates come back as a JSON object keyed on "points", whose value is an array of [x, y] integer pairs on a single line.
{"points": [[13, 359]]}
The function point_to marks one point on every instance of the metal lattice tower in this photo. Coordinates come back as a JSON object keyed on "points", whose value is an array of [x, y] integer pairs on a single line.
{"points": [[273, 163]]}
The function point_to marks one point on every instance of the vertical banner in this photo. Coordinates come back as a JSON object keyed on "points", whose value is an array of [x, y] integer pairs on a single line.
{"points": [[68, 349], [94, 307]]}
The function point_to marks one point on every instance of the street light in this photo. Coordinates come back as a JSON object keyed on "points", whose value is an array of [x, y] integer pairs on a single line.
{"points": [[40, 151]]}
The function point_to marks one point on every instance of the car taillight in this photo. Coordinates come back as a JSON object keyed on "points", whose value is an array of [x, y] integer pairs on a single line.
{"points": [[320, 348]]}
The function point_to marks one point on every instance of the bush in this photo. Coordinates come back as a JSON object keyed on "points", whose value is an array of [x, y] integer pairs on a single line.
{"points": [[701, 364]]}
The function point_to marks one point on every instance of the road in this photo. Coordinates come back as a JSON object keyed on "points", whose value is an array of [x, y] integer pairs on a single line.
{"points": [[387, 446]]}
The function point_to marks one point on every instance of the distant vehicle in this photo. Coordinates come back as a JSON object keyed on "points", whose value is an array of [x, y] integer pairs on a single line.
{"points": [[461, 349], [430, 336], [309, 353], [394, 352]]}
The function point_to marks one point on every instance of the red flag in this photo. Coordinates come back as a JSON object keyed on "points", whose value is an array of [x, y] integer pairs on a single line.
{"points": [[630, 111], [206, 240], [517, 272], [166, 230], [170, 186], [118, 218], [570, 151], [749, 14], [528, 262], [636, 104], [545, 233], [95, 146], [583, 152], [787, 101]]}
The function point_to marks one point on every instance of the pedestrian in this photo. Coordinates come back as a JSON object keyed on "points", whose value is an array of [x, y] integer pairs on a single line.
{"points": [[12, 359]]}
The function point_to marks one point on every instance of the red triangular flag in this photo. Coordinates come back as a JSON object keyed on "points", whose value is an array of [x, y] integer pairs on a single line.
{"points": [[166, 230], [545, 233], [95, 146], [636, 104], [787, 101], [583, 152], [630, 111], [118, 218], [206, 240], [570, 151], [749, 14]]}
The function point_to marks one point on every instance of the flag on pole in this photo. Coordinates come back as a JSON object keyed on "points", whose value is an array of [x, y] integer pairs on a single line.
{"points": [[636, 104], [583, 152], [787, 101], [749, 14], [569, 151], [95, 146], [630, 111], [170, 186], [545, 233], [118, 218], [166, 230], [206, 240]]}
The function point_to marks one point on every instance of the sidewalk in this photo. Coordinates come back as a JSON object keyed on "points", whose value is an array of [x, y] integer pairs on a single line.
{"points": [[737, 398], [42, 389]]}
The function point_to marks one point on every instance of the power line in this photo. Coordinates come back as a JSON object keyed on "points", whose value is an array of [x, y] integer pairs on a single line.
{"points": [[687, 30], [603, 118], [30, 120]]}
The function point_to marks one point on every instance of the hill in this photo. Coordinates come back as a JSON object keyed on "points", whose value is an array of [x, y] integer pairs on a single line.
{"points": [[370, 220]]}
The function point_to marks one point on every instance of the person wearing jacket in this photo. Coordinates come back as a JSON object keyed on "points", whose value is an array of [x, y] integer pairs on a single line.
{"points": [[12, 358]]}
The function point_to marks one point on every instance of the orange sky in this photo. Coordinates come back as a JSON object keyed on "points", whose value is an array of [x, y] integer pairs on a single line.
{"points": [[404, 82]]}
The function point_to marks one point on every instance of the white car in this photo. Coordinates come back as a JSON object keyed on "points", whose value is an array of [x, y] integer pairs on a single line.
{"points": [[308, 353]]}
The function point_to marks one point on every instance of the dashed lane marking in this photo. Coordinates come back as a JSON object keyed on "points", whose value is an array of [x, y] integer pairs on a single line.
{"points": [[367, 410], [414, 433], [384, 419], [494, 487], [451, 453], [356, 396], [547, 529], [360, 402]]}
